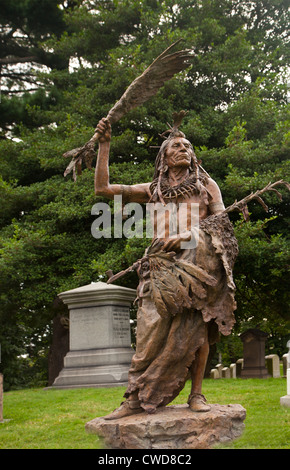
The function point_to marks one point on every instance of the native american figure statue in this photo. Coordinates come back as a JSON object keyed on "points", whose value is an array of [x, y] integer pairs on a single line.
{"points": [[185, 295], [186, 290]]}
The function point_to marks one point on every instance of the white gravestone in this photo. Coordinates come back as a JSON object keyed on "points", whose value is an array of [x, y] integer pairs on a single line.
{"points": [[214, 374], [233, 371], [219, 368], [100, 340], [226, 373], [273, 365], [285, 401], [285, 364]]}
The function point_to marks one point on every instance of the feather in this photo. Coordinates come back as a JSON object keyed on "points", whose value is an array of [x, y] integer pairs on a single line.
{"points": [[197, 272], [141, 89], [173, 288], [195, 286]]}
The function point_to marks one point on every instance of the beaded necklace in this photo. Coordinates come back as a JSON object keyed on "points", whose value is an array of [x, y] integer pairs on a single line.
{"points": [[186, 188]]}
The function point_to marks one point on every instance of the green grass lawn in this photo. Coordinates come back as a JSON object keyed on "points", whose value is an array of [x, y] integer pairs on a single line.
{"points": [[55, 419]]}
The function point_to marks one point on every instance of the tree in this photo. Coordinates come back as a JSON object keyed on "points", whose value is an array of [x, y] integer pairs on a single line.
{"points": [[25, 26], [236, 96]]}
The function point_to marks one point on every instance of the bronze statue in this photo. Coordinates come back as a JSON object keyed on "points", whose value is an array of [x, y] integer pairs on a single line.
{"points": [[185, 296]]}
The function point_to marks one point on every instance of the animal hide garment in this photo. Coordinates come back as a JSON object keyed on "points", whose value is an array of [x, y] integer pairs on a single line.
{"points": [[184, 299]]}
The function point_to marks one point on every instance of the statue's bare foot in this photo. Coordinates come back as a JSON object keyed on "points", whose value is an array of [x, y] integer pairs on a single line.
{"points": [[127, 408], [197, 402]]}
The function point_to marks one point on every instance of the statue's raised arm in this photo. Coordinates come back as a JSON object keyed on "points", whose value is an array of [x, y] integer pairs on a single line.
{"points": [[130, 193]]}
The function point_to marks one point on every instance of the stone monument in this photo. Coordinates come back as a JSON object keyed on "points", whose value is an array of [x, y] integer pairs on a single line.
{"points": [[273, 365], [100, 350], [285, 401], [254, 354]]}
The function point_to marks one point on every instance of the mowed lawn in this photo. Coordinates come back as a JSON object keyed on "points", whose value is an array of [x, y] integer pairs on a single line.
{"points": [[55, 419]]}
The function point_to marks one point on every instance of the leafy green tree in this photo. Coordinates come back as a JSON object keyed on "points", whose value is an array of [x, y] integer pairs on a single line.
{"points": [[25, 26]]}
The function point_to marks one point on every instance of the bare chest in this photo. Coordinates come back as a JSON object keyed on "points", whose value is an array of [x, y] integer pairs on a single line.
{"points": [[178, 215]]}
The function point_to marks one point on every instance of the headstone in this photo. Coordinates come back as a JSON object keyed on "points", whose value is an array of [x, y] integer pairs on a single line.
{"points": [[273, 365], [254, 354], [171, 427], [285, 401], [100, 349], [214, 374], [233, 371], [219, 368], [239, 367], [226, 374], [285, 364], [59, 346]]}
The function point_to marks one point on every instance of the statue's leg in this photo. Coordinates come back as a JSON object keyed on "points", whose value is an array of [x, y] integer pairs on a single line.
{"points": [[196, 400], [152, 332]]}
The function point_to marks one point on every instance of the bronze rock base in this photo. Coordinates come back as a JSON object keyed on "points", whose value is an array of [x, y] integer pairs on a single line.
{"points": [[171, 427]]}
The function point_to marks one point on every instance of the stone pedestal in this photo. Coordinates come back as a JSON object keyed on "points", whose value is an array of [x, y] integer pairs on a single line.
{"points": [[254, 354], [100, 341], [172, 427]]}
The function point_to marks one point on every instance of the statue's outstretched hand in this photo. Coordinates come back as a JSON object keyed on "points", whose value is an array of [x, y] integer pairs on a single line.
{"points": [[104, 130]]}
